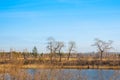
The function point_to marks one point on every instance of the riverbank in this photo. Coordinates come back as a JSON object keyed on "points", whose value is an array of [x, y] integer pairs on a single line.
{"points": [[43, 66], [70, 67], [73, 63], [6, 67]]}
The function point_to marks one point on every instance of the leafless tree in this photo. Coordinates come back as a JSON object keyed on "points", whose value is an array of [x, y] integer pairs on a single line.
{"points": [[71, 47], [50, 46], [11, 54], [53, 46], [25, 54], [102, 46], [61, 45]]}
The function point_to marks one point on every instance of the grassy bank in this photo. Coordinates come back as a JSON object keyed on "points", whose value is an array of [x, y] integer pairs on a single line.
{"points": [[45, 63], [69, 67], [42, 66]]}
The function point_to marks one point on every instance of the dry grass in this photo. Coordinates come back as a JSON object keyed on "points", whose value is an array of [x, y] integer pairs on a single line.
{"points": [[19, 63]]}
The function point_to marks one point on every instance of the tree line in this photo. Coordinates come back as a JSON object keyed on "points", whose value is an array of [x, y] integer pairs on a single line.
{"points": [[56, 48]]}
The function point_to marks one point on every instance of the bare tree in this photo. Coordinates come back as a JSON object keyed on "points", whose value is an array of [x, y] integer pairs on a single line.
{"points": [[102, 46], [71, 47], [61, 45], [25, 54], [11, 54], [54, 47], [50, 46]]}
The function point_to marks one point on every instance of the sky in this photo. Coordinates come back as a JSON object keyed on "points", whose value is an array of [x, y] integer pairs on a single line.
{"points": [[28, 23]]}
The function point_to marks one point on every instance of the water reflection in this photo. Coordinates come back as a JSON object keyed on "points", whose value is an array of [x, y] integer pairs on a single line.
{"points": [[77, 74], [61, 74]]}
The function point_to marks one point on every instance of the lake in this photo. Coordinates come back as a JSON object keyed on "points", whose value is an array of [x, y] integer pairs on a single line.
{"points": [[61, 74]]}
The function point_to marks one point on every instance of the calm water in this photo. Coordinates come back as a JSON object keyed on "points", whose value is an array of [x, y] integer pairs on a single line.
{"points": [[77, 74], [64, 74]]}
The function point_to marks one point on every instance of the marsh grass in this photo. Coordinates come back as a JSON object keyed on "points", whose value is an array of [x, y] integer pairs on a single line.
{"points": [[16, 68]]}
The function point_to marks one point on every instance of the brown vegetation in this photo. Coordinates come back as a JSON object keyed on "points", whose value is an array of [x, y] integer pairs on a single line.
{"points": [[14, 62]]}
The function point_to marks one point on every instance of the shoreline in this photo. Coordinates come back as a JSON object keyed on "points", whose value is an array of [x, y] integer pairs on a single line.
{"points": [[45, 66], [36, 66], [8, 67], [69, 67]]}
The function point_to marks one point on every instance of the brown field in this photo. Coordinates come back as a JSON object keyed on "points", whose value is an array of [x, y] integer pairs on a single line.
{"points": [[71, 64]]}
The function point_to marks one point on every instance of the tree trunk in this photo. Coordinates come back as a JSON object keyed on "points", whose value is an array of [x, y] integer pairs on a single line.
{"points": [[101, 58], [51, 55], [60, 57], [68, 56]]}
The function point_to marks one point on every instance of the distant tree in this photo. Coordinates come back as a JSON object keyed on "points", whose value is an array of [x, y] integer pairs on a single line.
{"points": [[71, 47], [25, 53], [61, 45], [41, 54], [11, 53], [35, 51], [50, 46], [54, 46], [102, 46]]}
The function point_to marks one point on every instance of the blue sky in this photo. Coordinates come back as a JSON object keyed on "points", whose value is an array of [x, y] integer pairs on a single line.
{"points": [[28, 23]]}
